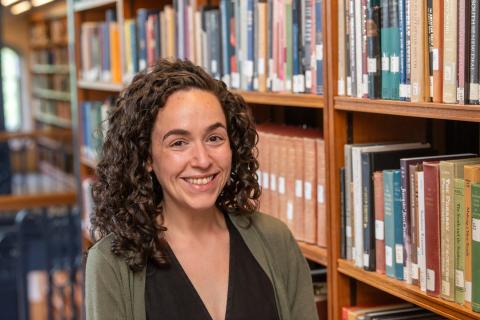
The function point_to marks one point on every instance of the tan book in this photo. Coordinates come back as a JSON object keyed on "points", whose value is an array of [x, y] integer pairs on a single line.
{"points": [[263, 170], [310, 189], [299, 207], [321, 195], [449, 171], [274, 164], [418, 51], [471, 175], [282, 178], [342, 71], [450, 51], [290, 185], [262, 46], [170, 26]]}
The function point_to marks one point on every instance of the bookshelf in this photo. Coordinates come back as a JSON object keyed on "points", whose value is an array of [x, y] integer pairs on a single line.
{"points": [[343, 120]]}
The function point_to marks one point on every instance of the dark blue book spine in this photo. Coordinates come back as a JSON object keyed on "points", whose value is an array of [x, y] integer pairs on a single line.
{"points": [[133, 43], [402, 21], [389, 220], [374, 50], [395, 50], [104, 34], [296, 46], [250, 45], [368, 215], [225, 13], [319, 45], [142, 38]]}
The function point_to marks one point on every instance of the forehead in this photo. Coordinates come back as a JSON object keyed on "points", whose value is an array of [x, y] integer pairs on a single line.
{"points": [[188, 109]]}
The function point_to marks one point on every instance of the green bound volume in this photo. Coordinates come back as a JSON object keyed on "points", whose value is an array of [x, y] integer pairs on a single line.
{"points": [[476, 247], [459, 205]]}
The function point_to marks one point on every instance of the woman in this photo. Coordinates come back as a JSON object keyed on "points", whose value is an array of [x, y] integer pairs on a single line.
{"points": [[175, 199]]}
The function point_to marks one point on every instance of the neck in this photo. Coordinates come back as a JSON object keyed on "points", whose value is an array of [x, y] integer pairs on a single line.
{"points": [[184, 223]]}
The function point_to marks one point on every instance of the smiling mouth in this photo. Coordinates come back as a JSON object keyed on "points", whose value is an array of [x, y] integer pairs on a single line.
{"points": [[200, 181]]}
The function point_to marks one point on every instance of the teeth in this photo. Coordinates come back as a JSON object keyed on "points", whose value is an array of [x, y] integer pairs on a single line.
{"points": [[200, 181]]}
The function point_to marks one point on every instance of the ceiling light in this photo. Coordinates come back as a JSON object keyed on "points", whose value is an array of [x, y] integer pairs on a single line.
{"points": [[6, 3], [21, 7], [37, 3]]}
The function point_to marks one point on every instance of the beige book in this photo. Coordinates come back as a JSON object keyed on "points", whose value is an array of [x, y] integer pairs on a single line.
{"points": [[274, 163], [321, 195], [290, 184], [450, 52], [449, 171], [471, 175], [282, 178], [262, 46], [418, 41], [342, 73], [310, 189], [170, 26], [299, 206]]}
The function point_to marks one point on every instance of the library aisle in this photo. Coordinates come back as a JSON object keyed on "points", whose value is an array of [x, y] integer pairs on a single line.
{"points": [[367, 114]]}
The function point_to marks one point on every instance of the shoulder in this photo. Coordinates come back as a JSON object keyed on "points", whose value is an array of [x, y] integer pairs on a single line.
{"points": [[100, 255]]}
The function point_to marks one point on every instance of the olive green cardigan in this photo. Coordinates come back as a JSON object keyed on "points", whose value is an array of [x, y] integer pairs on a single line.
{"points": [[113, 291]]}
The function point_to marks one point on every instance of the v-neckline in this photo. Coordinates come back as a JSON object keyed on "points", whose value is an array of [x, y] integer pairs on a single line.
{"points": [[192, 287]]}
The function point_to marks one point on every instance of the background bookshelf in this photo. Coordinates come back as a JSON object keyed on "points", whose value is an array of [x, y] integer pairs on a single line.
{"points": [[339, 118]]}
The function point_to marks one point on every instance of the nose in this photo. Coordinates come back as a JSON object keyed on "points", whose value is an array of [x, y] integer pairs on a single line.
{"points": [[201, 157]]}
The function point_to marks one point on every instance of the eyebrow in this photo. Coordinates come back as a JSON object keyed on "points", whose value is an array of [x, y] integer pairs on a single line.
{"points": [[183, 132]]}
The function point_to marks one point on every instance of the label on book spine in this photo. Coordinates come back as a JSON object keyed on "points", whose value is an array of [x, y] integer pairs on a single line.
{"points": [[404, 90], [349, 231], [414, 271], [388, 256], [307, 190], [281, 185], [308, 79], [247, 68], [460, 94], [459, 279], [235, 80], [349, 86], [320, 193], [290, 210], [273, 182], [319, 52], [436, 59], [395, 64], [261, 66], [365, 84], [445, 288], [372, 65], [341, 88], [430, 280], [266, 180], [385, 63], [298, 188], [476, 229], [366, 259], [379, 230], [298, 83], [473, 91], [468, 291], [399, 253]]}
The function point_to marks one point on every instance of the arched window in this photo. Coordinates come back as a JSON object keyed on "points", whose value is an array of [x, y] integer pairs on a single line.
{"points": [[11, 81]]}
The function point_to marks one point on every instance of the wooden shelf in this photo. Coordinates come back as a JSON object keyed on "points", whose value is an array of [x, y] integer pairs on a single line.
{"points": [[18, 202], [48, 45], [407, 292], [50, 69], [410, 109], [83, 5], [53, 120], [283, 99], [101, 86], [51, 94], [314, 253]]}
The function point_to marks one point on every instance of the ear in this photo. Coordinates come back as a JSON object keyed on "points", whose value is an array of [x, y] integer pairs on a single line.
{"points": [[148, 165]]}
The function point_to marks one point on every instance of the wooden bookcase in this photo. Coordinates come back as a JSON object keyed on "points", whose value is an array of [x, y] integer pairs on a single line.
{"points": [[342, 120]]}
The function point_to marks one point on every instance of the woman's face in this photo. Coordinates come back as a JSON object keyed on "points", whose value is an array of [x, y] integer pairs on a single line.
{"points": [[190, 151]]}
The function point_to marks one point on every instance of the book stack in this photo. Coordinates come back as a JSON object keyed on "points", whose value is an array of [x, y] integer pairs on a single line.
{"points": [[392, 311], [292, 178], [410, 50], [409, 213]]}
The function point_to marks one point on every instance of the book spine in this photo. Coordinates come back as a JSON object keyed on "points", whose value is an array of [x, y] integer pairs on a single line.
{"points": [[406, 219], [343, 234], [432, 233], [422, 246], [142, 38], [298, 77], [374, 50], [379, 222], [288, 45], [394, 50], [463, 50], [397, 213], [248, 65], [414, 226], [357, 206], [447, 230], [348, 199], [403, 53], [368, 215], [388, 200], [358, 47], [417, 46], [384, 35], [476, 247], [364, 49], [225, 27], [348, 71], [459, 204], [450, 52], [319, 45], [474, 46], [437, 52], [408, 44], [321, 208], [309, 190], [429, 52], [353, 45]]}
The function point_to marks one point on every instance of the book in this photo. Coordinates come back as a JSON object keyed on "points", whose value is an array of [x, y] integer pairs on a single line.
{"points": [[379, 222], [459, 235], [374, 50], [437, 51], [393, 222], [476, 247], [450, 51]]}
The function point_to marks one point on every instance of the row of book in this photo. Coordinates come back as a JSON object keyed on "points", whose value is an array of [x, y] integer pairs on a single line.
{"points": [[57, 109], [274, 45], [57, 82], [50, 56], [49, 32], [292, 178], [403, 311], [409, 50], [409, 213], [93, 126]]}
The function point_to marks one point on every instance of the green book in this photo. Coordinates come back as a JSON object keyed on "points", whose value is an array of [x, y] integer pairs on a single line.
{"points": [[459, 204], [476, 247]]}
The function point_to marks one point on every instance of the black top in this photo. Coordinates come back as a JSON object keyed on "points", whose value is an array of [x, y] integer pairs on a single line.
{"points": [[170, 295]]}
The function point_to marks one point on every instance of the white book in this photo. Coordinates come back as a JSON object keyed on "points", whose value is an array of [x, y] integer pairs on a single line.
{"points": [[421, 251]]}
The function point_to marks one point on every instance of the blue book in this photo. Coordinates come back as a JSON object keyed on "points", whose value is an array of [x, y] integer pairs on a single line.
{"points": [[297, 74], [104, 35], [319, 45], [385, 34], [133, 44], [225, 15], [142, 15], [394, 38]]}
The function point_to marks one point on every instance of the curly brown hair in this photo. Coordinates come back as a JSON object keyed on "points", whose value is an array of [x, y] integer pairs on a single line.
{"points": [[127, 197]]}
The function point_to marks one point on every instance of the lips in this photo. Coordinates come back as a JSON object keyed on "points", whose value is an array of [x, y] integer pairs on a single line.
{"points": [[200, 181]]}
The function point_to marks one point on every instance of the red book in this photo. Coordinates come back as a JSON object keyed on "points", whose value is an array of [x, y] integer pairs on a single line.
{"points": [[431, 173]]}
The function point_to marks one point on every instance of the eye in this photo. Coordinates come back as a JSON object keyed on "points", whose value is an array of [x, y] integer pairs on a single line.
{"points": [[215, 139], [178, 144]]}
